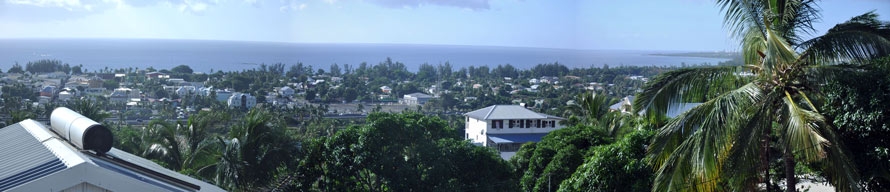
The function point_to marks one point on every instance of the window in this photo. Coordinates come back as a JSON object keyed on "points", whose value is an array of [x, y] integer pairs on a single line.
{"points": [[511, 123], [538, 122], [497, 124], [553, 124]]}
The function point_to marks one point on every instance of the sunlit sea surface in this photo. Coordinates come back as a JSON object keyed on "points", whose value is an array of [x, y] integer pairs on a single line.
{"points": [[207, 56]]}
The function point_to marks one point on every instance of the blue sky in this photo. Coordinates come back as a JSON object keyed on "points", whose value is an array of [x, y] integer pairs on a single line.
{"points": [[689, 25]]}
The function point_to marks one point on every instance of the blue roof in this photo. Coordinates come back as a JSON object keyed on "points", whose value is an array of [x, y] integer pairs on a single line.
{"points": [[516, 138]]}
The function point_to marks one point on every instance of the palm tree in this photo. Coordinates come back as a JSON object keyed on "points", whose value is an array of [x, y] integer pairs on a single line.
{"points": [[92, 109], [725, 142], [255, 147], [185, 147]]}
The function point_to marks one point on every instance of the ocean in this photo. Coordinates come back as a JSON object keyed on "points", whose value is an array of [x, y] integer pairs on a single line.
{"points": [[206, 56]]}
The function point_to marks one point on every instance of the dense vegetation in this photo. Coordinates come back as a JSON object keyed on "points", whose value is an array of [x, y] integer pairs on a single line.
{"points": [[800, 109]]}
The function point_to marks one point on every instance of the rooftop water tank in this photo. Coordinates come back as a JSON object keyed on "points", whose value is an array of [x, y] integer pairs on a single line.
{"points": [[82, 132]]}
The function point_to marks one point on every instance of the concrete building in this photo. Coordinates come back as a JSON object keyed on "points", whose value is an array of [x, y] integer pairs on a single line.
{"points": [[416, 98], [243, 100], [507, 127], [36, 158]]}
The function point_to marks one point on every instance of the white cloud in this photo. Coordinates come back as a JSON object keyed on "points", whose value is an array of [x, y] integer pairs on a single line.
{"points": [[195, 6], [65, 4], [292, 5]]}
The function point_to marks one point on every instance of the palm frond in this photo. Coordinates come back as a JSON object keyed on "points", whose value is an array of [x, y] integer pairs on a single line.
{"points": [[748, 151], [794, 17], [690, 150], [669, 89], [742, 16], [857, 40], [802, 131], [778, 53]]}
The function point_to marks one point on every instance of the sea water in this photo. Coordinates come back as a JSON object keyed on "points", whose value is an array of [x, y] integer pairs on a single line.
{"points": [[206, 56]]}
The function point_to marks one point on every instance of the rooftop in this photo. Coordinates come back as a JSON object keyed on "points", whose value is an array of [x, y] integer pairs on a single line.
{"points": [[34, 158], [507, 112]]}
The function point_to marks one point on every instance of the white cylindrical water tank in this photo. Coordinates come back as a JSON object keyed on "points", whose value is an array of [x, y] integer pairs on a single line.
{"points": [[82, 132]]}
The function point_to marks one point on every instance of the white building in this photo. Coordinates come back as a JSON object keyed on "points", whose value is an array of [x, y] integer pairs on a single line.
{"points": [[186, 90], [507, 127], [35, 158], [223, 95], [416, 98], [243, 100], [286, 91]]}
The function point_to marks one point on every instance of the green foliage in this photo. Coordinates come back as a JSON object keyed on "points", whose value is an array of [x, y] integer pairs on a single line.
{"points": [[47, 66], [93, 109], [400, 152], [860, 113], [110, 84], [620, 166], [182, 69], [254, 148], [16, 69], [553, 159], [18, 90]]}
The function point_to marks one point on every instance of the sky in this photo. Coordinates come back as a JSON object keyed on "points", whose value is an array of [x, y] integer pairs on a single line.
{"points": [[688, 25]]}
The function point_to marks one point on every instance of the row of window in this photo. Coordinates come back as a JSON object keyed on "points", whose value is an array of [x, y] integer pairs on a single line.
{"points": [[499, 124]]}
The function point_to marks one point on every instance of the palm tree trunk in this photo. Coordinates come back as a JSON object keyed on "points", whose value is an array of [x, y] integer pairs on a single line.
{"points": [[764, 160], [790, 180]]}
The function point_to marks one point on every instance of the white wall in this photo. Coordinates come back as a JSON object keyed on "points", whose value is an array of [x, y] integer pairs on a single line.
{"points": [[476, 130]]}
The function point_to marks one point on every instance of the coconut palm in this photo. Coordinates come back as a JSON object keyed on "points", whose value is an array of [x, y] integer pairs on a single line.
{"points": [[185, 147], [590, 106], [254, 148], [725, 143]]}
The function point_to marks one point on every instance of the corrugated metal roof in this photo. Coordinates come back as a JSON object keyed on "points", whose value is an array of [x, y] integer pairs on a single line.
{"points": [[23, 158], [507, 112], [29, 151]]}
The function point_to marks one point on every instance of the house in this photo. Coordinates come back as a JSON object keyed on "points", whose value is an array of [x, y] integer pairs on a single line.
{"points": [[624, 106], [35, 157], [95, 82], [156, 75], [118, 96], [416, 98], [175, 81], [223, 95], [386, 89], [507, 127], [94, 91], [243, 100], [286, 91], [48, 91], [186, 90]]}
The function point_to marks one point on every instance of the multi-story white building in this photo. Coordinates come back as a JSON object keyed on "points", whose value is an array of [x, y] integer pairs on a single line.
{"points": [[243, 100], [507, 127]]}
